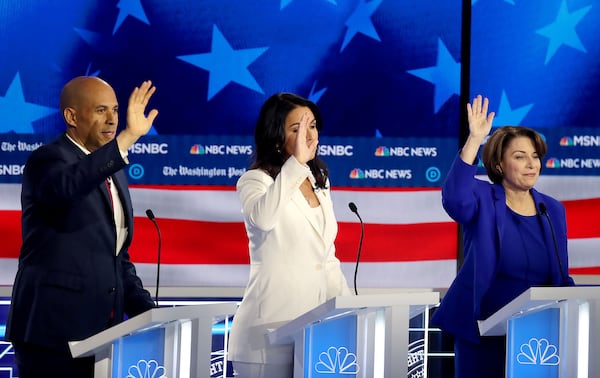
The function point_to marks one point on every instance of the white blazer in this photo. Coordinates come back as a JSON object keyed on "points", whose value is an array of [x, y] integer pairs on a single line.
{"points": [[293, 267]]}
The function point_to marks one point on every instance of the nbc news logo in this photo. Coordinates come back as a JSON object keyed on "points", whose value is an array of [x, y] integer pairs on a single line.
{"points": [[220, 149], [384, 151], [381, 174], [577, 163]]}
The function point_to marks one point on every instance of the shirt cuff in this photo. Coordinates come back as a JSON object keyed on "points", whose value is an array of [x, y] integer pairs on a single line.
{"points": [[124, 155]]}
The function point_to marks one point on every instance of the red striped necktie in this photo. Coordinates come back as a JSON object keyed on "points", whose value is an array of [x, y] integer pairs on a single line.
{"points": [[108, 185]]}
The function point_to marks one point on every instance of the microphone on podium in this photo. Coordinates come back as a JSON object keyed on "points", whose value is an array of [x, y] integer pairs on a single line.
{"points": [[354, 209], [544, 212], [150, 216]]}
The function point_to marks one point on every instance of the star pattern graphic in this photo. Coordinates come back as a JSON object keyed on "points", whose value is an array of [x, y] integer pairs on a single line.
{"points": [[131, 8], [17, 114], [255, 57], [507, 116], [562, 30], [243, 59], [226, 65], [360, 22], [545, 60], [445, 76]]}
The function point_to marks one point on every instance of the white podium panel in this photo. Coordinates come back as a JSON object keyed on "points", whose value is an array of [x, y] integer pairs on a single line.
{"points": [[550, 331], [169, 341], [361, 336]]}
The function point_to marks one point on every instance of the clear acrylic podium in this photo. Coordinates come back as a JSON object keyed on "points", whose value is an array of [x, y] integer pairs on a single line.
{"points": [[359, 336], [550, 332], [167, 341]]}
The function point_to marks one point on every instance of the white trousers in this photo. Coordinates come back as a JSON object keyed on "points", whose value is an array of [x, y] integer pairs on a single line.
{"points": [[252, 370]]}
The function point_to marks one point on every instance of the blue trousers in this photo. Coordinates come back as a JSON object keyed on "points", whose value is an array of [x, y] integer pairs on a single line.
{"points": [[487, 359], [35, 361]]}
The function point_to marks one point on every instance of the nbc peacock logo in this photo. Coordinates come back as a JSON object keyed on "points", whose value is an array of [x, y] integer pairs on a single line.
{"points": [[197, 149], [538, 352], [382, 151], [357, 173], [566, 141], [337, 361], [145, 369], [552, 163]]}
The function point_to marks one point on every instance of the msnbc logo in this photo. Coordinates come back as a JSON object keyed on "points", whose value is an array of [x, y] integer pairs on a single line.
{"points": [[566, 141], [581, 140]]}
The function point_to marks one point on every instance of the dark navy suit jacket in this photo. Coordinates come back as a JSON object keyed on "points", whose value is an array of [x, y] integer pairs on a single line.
{"points": [[70, 283], [480, 207]]}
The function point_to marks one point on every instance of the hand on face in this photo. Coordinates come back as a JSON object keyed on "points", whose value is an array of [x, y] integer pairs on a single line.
{"points": [[306, 140], [480, 122]]}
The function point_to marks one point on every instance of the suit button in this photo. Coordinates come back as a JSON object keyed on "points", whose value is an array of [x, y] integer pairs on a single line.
{"points": [[112, 290], [318, 266]]}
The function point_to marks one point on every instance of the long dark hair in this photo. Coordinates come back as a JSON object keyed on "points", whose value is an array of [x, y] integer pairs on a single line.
{"points": [[269, 136]]}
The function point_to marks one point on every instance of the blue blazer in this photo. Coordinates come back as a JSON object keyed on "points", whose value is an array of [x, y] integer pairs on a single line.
{"points": [[70, 280], [480, 207]]}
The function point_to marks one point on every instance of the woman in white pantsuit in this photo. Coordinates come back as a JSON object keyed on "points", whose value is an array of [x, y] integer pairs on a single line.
{"points": [[291, 228]]}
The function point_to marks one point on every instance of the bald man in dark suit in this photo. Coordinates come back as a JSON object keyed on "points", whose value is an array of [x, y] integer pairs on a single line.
{"points": [[75, 277]]}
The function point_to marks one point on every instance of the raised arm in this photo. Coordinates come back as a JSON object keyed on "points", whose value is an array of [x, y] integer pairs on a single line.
{"points": [[480, 124], [137, 122]]}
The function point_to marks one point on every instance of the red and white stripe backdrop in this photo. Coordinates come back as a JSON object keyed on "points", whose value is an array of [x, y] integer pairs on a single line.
{"points": [[409, 239]]}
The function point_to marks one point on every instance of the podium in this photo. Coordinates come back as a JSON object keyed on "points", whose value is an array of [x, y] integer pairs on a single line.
{"points": [[362, 336], [167, 341], [550, 332]]}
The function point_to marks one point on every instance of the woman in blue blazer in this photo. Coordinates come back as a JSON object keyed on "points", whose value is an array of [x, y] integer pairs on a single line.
{"points": [[508, 238]]}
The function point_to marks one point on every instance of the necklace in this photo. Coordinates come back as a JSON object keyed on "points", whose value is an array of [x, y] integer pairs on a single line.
{"points": [[522, 207]]}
